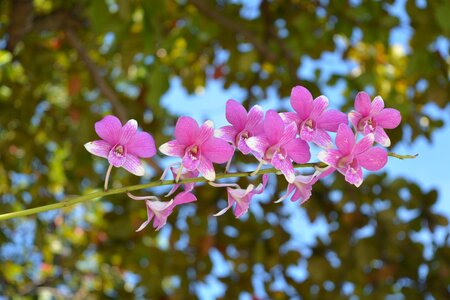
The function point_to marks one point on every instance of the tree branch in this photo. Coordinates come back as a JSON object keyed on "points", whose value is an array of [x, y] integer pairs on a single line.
{"points": [[99, 80], [217, 17]]}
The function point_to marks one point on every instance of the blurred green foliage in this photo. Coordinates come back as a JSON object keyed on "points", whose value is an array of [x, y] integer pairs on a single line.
{"points": [[64, 64]]}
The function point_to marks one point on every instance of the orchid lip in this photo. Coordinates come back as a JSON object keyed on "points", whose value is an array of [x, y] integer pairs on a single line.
{"points": [[309, 124], [119, 150]]}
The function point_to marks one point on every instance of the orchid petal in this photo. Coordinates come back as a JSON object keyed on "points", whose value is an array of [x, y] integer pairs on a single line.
{"points": [[388, 118], [228, 133], [236, 114], [173, 148], [377, 105], [362, 103], [142, 144], [186, 130], [289, 133], [285, 166], [133, 165], [289, 117], [183, 198], [330, 157], [373, 159], [353, 176], [381, 137], [116, 160], [255, 120], [258, 144], [191, 162], [354, 117], [298, 150], [100, 148], [109, 129], [273, 127], [319, 106], [322, 139], [301, 102], [330, 120], [205, 133], [128, 131], [364, 144], [206, 169], [345, 139], [217, 150]]}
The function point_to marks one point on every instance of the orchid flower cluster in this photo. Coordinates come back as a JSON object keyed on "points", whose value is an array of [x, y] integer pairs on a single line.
{"points": [[276, 139]]}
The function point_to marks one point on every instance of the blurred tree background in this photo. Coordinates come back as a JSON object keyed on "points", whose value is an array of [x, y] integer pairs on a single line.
{"points": [[66, 63]]}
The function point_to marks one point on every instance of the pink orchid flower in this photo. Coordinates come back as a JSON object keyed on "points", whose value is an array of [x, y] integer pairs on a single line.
{"points": [[302, 186], [122, 146], [350, 156], [311, 117], [197, 147], [372, 117], [188, 187], [159, 211], [279, 146], [241, 197], [243, 125]]}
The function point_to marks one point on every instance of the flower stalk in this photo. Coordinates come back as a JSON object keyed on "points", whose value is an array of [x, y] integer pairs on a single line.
{"points": [[100, 194]]}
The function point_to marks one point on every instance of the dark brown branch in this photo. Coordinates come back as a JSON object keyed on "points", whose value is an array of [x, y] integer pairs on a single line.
{"points": [[99, 80], [21, 21], [213, 14]]}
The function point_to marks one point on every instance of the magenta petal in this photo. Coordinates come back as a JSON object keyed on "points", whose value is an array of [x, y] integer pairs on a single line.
{"points": [[322, 139], [354, 176], [100, 148], [206, 132], [183, 198], [217, 150], [364, 144], [173, 148], [330, 120], [377, 105], [260, 188], [381, 137], [362, 103], [298, 150], [258, 144], [109, 129], [306, 133], [354, 118], [345, 139], [191, 162], [150, 215], [241, 207], [186, 130], [330, 157], [285, 166], [255, 119], [319, 106], [289, 133], [206, 169], [228, 133], [128, 131], [289, 117], [142, 144], [388, 118], [236, 114], [133, 165], [243, 147], [301, 101], [373, 159], [273, 127], [116, 160]]}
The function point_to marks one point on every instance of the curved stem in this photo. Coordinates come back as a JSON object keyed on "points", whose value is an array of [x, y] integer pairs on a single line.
{"points": [[99, 194], [108, 172]]}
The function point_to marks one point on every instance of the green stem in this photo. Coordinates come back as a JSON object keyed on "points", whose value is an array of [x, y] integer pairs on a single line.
{"points": [[99, 194]]}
